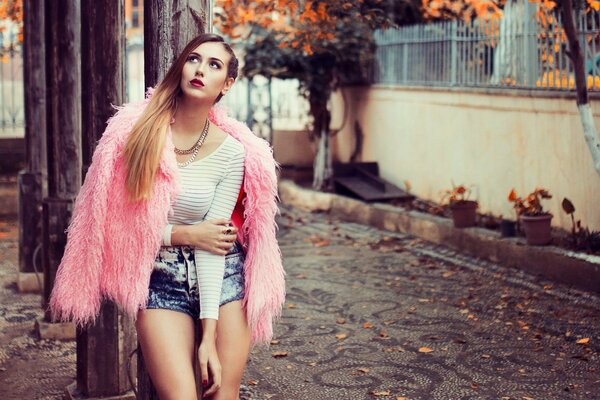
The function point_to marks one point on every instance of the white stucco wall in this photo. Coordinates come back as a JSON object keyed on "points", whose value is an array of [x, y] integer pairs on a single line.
{"points": [[492, 141]]}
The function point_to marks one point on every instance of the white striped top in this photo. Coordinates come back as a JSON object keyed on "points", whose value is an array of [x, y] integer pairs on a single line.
{"points": [[209, 190]]}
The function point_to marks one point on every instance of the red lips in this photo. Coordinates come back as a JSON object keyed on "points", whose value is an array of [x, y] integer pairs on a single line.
{"points": [[197, 83]]}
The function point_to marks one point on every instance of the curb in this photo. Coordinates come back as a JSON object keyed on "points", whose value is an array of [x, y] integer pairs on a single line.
{"points": [[580, 270]]}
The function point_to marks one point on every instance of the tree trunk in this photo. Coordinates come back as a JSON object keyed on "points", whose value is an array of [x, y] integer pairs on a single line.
{"points": [[64, 131], [514, 41], [323, 170], [103, 373], [585, 111], [168, 27], [32, 181]]}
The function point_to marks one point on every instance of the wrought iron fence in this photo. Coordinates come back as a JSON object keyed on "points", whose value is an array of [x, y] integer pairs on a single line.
{"points": [[526, 49], [12, 110], [276, 105]]}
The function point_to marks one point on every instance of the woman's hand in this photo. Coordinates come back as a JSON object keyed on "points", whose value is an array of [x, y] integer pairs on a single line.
{"points": [[215, 236], [208, 358]]}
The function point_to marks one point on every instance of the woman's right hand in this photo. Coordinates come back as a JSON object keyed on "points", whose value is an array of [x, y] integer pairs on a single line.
{"points": [[212, 236]]}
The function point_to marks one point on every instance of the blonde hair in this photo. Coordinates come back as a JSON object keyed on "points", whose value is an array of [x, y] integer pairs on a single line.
{"points": [[145, 143]]}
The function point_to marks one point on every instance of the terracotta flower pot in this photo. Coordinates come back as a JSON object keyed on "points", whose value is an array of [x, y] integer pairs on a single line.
{"points": [[464, 213], [537, 228]]}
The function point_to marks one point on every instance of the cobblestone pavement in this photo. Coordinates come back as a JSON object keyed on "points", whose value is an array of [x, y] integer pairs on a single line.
{"points": [[372, 315]]}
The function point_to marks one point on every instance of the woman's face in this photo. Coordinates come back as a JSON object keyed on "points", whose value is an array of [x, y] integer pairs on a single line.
{"points": [[204, 74]]}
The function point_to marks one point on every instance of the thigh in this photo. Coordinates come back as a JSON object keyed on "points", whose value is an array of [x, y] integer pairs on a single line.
{"points": [[167, 341], [233, 346]]}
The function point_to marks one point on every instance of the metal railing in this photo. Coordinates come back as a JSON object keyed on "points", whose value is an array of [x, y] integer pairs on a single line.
{"points": [[526, 49], [12, 100]]}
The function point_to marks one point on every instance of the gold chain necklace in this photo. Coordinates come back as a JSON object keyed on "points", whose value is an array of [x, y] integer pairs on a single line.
{"points": [[195, 148], [198, 142]]}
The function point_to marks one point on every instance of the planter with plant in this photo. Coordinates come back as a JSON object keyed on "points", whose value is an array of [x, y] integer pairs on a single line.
{"points": [[581, 237], [464, 211], [536, 222]]}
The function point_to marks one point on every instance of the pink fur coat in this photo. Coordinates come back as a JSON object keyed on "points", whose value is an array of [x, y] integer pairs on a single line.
{"points": [[112, 243]]}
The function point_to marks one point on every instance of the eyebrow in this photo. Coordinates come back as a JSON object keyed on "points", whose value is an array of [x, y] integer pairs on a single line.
{"points": [[211, 58]]}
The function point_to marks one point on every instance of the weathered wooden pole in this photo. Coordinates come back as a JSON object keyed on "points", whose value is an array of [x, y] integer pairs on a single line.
{"points": [[32, 181], [63, 132], [168, 27], [104, 347]]}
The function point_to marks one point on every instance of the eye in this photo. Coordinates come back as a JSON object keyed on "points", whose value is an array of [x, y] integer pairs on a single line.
{"points": [[192, 58], [215, 64]]}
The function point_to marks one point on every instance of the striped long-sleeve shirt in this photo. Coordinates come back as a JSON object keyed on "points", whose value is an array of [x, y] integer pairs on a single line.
{"points": [[209, 190]]}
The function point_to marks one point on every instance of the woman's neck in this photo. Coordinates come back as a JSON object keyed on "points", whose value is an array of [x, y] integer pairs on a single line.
{"points": [[190, 117]]}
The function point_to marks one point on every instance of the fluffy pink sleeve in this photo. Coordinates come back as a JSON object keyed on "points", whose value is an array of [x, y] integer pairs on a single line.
{"points": [[76, 292]]}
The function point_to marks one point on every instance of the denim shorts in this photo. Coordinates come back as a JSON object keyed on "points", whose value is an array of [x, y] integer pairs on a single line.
{"points": [[174, 282]]}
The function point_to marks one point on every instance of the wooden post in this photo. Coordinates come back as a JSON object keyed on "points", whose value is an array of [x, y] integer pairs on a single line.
{"points": [[32, 182], [64, 132], [168, 27], [103, 348]]}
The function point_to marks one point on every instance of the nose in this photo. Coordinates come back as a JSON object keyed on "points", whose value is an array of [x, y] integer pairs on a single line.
{"points": [[200, 69]]}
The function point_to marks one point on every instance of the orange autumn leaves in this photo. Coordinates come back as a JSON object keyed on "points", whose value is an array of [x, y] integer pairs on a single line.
{"points": [[306, 26], [11, 13], [485, 9]]}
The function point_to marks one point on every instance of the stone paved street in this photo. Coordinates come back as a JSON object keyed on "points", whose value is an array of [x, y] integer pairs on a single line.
{"points": [[372, 314]]}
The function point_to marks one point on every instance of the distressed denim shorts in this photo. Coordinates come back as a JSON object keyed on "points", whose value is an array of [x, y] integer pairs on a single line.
{"points": [[174, 282]]}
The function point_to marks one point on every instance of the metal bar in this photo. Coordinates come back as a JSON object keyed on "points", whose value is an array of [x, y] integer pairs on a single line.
{"points": [[559, 53]]}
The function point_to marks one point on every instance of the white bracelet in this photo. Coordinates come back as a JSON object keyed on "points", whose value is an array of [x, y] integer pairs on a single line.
{"points": [[167, 235]]}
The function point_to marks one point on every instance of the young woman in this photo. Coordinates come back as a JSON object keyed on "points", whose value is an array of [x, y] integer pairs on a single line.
{"points": [[175, 223]]}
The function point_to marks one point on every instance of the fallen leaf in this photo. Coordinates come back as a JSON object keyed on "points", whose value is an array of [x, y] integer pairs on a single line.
{"points": [[341, 335], [367, 325], [301, 276], [312, 364], [365, 370], [251, 382], [322, 243], [279, 354], [583, 341], [383, 334], [340, 321], [381, 393], [274, 341], [291, 305], [402, 398], [425, 350], [474, 385]]}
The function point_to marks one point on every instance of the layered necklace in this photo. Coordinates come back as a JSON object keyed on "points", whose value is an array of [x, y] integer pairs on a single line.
{"points": [[194, 149]]}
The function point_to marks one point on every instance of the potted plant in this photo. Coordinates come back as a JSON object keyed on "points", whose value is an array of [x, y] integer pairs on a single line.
{"points": [[536, 222], [581, 237], [464, 211]]}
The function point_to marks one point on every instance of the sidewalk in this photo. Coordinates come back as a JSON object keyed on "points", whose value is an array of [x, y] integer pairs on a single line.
{"points": [[372, 314]]}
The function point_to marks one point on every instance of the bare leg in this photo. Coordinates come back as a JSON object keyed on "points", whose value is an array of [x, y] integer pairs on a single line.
{"points": [[167, 341], [233, 346]]}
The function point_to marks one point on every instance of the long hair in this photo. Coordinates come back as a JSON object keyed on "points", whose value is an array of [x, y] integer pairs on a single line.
{"points": [[145, 143]]}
